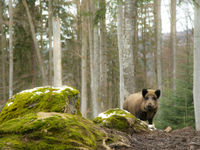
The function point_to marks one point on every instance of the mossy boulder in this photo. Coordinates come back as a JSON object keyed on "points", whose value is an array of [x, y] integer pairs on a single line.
{"points": [[49, 118], [51, 130], [42, 99], [121, 120]]}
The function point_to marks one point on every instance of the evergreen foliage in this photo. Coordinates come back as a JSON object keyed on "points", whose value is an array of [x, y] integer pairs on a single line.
{"points": [[177, 108]]}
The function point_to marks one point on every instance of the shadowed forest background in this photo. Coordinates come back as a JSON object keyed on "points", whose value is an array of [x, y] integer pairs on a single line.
{"points": [[110, 49]]}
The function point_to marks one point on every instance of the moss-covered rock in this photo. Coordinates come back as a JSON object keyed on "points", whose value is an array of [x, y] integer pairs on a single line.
{"points": [[50, 130], [49, 118], [121, 120], [42, 99]]}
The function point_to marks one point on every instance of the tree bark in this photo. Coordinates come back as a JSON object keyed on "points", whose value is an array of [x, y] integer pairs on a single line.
{"points": [[127, 56], [196, 80], [57, 59], [10, 49], [84, 97], [77, 70], [135, 49], [144, 47], [103, 60], [39, 57], [157, 10], [173, 42], [3, 68], [50, 41], [94, 48], [2, 46], [41, 26], [120, 50]]}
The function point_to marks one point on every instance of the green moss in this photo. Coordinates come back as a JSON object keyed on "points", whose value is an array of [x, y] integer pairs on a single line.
{"points": [[46, 130], [8, 142], [46, 99], [120, 120]]}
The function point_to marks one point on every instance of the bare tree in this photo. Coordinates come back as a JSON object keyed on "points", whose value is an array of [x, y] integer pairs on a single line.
{"points": [[196, 80], [120, 49], [144, 48], [84, 97], [57, 52], [50, 40], [127, 56], [2, 46], [10, 48], [157, 10], [103, 59], [94, 49], [40, 61], [173, 42]]}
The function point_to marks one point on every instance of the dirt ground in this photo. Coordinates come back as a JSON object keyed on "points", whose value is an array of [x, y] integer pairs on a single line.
{"points": [[182, 139]]}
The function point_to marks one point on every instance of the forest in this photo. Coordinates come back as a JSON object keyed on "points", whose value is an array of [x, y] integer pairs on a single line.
{"points": [[107, 49]]}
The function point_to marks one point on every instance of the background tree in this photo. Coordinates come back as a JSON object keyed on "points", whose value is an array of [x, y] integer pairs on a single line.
{"points": [[94, 57], [127, 56], [57, 53], [103, 58], [196, 81], [84, 97], [120, 49], [40, 60], [3, 55], [10, 48], [50, 41], [173, 42], [158, 38]]}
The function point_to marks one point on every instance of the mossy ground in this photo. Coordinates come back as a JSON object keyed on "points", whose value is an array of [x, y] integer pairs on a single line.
{"points": [[51, 131], [120, 120], [46, 99]]}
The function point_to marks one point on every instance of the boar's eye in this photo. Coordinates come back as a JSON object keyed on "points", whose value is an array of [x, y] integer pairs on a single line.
{"points": [[146, 98], [154, 98]]}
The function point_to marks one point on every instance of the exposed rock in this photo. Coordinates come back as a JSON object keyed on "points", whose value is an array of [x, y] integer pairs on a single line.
{"points": [[121, 120], [42, 99]]}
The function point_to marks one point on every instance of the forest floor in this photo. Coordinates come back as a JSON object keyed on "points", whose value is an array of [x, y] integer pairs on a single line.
{"points": [[182, 139]]}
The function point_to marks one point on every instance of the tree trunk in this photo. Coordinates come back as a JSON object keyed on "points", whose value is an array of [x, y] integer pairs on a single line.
{"points": [[40, 61], [157, 11], [144, 48], [41, 26], [120, 49], [77, 70], [57, 59], [96, 71], [50, 41], [10, 49], [84, 97], [173, 42], [127, 56], [196, 80], [103, 60], [135, 49], [2, 46], [3, 67], [94, 48], [34, 69]]}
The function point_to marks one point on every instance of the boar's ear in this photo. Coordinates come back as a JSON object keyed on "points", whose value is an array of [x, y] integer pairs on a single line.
{"points": [[157, 92], [144, 92]]}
